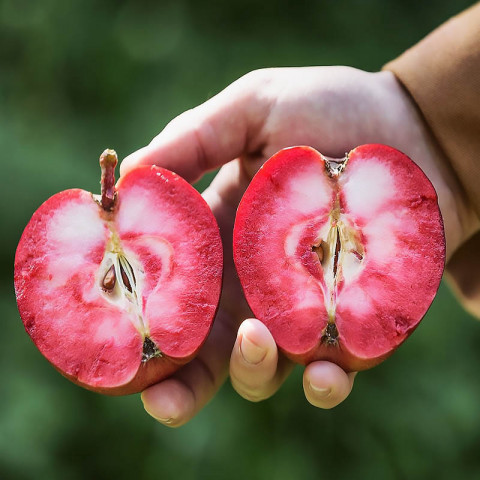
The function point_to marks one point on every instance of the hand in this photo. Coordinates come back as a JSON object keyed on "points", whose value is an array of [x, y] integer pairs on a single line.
{"points": [[332, 109]]}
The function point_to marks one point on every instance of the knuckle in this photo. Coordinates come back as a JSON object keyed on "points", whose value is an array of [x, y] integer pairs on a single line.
{"points": [[253, 393], [253, 78]]}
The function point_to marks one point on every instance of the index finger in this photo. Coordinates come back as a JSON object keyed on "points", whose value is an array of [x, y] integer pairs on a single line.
{"points": [[210, 135]]}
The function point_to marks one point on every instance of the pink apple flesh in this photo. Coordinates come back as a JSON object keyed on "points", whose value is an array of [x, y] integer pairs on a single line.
{"points": [[119, 300], [340, 260]]}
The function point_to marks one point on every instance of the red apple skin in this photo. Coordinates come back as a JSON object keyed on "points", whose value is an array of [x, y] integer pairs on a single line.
{"points": [[389, 266], [170, 237]]}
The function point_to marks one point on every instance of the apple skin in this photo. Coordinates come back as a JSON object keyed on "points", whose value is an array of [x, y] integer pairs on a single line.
{"points": [[96, 337], [340, 266]]}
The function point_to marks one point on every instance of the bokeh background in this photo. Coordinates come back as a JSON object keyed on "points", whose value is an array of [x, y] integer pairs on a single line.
{"points": [[82, 75]]}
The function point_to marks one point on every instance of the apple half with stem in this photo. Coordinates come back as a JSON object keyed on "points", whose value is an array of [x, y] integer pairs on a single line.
{"points": [[119, 290], [340, 259]]}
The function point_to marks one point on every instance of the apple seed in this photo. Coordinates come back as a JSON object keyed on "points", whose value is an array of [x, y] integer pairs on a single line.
{"points": [[109, 279], [318, 249], [338, 247], [126, 272]]}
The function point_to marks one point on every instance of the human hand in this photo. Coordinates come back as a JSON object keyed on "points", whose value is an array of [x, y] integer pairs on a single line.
{"points": [[332, 109]]}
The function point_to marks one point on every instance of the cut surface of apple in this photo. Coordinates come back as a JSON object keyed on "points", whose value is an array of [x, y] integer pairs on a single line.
{"points": [[341, 260], [117, 292]]}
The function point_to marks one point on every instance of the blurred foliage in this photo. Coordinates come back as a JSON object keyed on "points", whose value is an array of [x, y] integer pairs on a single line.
{"points": [[79, 76]]}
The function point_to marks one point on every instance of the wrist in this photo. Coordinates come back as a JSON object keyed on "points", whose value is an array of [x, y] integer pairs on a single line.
{"points": [[418, 142]]}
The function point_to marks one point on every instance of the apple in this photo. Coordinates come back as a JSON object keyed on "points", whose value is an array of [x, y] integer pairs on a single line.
{"points": [[118, 291], [340, 259]]}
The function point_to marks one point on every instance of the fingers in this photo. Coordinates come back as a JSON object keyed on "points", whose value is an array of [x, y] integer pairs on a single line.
{"points": [[256, 370], [176, 400], [206, 137], [326, 384]]}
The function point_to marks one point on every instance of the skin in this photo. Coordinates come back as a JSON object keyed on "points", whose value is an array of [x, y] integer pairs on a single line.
{"points": [[332, 109]]}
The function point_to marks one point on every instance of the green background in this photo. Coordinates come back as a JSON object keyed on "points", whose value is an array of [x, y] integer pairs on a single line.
{"points": [[79, 76]]}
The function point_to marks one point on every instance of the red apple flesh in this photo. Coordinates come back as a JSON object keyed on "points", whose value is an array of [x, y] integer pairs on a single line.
{"points": [[341, 260], [118, 292]]}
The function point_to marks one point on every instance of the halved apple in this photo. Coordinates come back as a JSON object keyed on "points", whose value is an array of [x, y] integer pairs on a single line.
{"points": [[340, 259], [118, 291]]}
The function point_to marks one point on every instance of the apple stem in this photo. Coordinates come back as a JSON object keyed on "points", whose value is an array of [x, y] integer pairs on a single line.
{"points": [[108, 162]]}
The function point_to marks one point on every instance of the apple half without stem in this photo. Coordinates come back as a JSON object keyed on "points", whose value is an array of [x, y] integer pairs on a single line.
{"points": [[118, 291], [340, 259]]}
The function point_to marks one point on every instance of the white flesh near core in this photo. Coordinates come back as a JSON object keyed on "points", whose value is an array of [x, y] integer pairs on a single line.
{"points": [[367, 187], [73, 233], [306, 197], [155, 230], [366, 190]]}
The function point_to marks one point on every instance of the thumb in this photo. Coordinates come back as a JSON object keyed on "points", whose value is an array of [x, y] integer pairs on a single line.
{"points": [[210, 135]]}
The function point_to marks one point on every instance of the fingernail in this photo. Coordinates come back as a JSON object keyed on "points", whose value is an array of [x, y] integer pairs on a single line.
{"points": [[322, 392], [166, 420], [252, 353]]}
